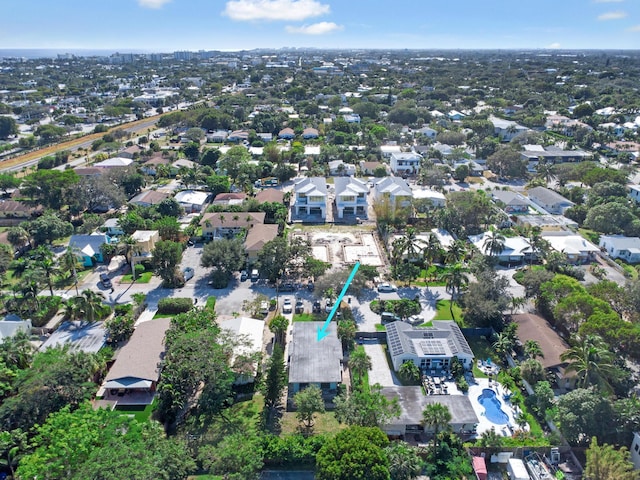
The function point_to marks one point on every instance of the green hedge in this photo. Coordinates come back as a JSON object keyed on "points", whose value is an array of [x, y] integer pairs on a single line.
{"points": [[174, 306], [48, 308]]}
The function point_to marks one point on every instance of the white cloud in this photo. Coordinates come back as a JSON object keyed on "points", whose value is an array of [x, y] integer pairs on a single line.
{"points": [[291, 10], [320, 28], [152, 3], [612, 16], [554, 45], [635, 28]]}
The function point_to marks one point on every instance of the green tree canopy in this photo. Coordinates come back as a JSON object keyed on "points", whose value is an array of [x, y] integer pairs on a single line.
{"points": [[356, 453]]}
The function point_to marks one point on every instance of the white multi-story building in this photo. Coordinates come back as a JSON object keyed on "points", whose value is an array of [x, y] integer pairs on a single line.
{"points": [[351, 197]]}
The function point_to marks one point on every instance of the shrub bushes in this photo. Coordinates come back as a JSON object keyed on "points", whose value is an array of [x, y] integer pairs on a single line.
{"points": [[462, 384], [173, 306], [48, 308]]}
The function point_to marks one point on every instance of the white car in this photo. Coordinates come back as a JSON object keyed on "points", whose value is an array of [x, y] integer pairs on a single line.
{"points": [[188, 273], [287, 306], [387, 288]]}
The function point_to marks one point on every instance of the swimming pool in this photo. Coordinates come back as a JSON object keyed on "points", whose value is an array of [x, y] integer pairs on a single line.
{"points": [[492, 407]]}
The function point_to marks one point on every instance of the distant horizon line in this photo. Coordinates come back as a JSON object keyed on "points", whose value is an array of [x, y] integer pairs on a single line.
{"points": [[94, 51]]}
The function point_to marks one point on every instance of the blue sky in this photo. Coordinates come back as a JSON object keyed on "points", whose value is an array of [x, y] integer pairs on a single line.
{"points": [[168, 25]]}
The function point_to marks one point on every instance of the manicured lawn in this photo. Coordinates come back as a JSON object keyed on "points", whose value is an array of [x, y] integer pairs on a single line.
{"points": [[309, 317], [380, 327], [481, 351], [163, 315], [444, 311], [140, 412], [145, 277], [427, 324]]}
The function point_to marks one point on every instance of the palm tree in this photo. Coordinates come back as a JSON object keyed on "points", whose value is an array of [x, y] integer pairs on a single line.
{"points": [[592, 361], [68, 262], [72, 308], [493, 243], [398, 247], [409, 371], [532, 349], [359, 363], [17, 351], [437, 417], [91, 304], [456, 252], [29, 289], [504, 344], [538, 245], [516, 303], [545, 171], [49, 268], [412, 244], [455, 278], [128, 246], [278, 326], [432, 249]]}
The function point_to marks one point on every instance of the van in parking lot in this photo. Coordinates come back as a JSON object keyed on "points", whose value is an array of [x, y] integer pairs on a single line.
{"points": [[255, 275]]}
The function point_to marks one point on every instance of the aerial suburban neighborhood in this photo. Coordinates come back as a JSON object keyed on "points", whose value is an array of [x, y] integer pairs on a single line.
{"points": [[320, 263]]}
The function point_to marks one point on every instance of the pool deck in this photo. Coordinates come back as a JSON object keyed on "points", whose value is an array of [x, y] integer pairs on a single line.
{"points": [[475, 390]]}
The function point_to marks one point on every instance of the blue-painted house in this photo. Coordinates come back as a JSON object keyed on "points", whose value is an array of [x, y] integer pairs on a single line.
{"points": [[88, 247]]}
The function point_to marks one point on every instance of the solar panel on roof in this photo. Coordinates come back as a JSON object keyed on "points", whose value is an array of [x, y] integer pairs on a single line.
{"points": [[432, 347]]}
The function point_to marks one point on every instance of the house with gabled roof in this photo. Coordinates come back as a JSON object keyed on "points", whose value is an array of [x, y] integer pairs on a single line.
{"points": [[138, 364], [516, 249], [510, 202], [506, 129], [429, 348], [395, 189], [574, 247], [256, 238], [149, 198], [549, 200], [216, 225], [405, 163], [88, 248], [619, 246], [310, 198], [351, 197], [116, 162]]}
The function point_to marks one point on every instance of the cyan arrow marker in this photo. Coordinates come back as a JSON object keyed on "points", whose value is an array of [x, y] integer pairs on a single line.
{"points": [[322, 332]]}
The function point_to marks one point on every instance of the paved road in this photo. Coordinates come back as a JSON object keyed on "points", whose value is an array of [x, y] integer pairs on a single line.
{"points": [[85, 144]]}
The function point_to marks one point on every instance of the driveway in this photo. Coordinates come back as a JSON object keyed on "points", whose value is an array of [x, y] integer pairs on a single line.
{"points": [[380, 371]]}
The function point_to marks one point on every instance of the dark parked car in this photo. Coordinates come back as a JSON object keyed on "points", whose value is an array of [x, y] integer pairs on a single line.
{"points": [[388, 317], [310, 286], [317, 306], [105, 280], [243, 275], [287, 287], [299, 306]]}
